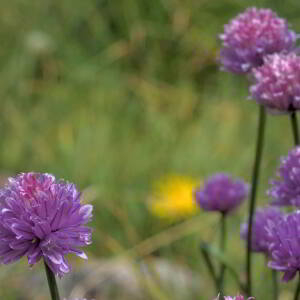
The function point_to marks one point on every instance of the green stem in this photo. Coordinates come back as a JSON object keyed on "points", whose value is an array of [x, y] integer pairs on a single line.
{"points": [[297, 292], [209, 266], [255, 177], [222, 247], [216, 254], [275, 284], [52, 283], [295, 127]]}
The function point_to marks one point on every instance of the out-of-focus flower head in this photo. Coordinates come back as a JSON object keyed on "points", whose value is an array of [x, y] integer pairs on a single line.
{"points": [[250, 36], [285, 245], [41, 217], [286, 190], [173, 197], [238, 297], [221, 193], [260, 241], [277, 83]]}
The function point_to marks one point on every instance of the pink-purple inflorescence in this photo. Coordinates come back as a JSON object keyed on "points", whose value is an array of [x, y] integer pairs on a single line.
{"points": [[78, 299], [252, 35], [238, 297], [277, 83], [221, 193], [285, 245], [286, 190], [261, 239], [41, 217]]}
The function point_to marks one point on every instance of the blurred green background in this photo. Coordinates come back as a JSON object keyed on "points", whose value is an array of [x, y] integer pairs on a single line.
{"points": [[113, 95]]}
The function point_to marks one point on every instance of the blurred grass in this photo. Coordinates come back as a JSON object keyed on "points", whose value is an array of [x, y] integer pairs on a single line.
{"points": [[115, 94]]}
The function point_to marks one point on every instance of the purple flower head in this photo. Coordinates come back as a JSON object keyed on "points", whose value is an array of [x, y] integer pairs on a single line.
{"points": [[260, 237], [286, 190], [285, 245], [221, 193], [250, 36], [41, 217], [277, 83]]}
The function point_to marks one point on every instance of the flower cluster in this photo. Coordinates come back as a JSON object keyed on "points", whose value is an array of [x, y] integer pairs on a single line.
{"points": [[41, 217], [252, 35], [221, 193], [263, 218], [277, 82], [259, 43], [285, 245], [286, 191], [284, 237]]}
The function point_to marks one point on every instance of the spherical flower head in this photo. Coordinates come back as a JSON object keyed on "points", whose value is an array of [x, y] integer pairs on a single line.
{"points": [[221, 193], [260, 241], [252, 35], [277, 83], [286, 190], [41, 217], [173, 197], [285, 245]]}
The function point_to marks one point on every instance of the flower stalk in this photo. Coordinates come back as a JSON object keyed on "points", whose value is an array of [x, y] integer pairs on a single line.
{"points": [[275, 284], [255, 177], [223, 249], [295, 127], [210, 266], [52, 283]]}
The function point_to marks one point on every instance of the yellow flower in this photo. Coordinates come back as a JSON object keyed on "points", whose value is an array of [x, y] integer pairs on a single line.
{"points": [[173, 197]]}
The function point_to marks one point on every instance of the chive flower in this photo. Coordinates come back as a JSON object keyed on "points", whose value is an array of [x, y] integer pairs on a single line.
{"points": [[238, 297], [285, 245], [41, 217], [285, 190], [221, 193], [250, 36], [78, 299], [277, 83], [260, 241]]}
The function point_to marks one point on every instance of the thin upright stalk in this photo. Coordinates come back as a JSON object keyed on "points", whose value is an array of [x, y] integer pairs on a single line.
{"points": [[295, 127], [223, 249], [297, 292], [210, 266], [255, 177], [275, 284], [52, 283]]}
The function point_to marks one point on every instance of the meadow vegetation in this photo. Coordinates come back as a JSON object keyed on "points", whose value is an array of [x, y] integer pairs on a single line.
{"points": [[114, 95]]}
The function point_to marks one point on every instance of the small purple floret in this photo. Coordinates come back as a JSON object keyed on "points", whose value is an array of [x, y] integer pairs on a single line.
{"points": [[221, 193], [286, 190], [77, 299], [238, 297], [277, 83], [252, 35], [41, 217], [260, 241], [285, 245]]}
